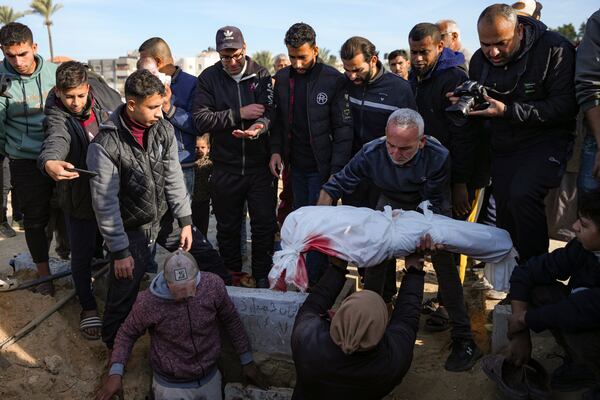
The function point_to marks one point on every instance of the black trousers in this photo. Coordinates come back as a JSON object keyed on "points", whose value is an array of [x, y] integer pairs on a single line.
{"points": [[123, 292], [582, 347], [521, 182], [228, 193], [34, 191], [382, 279], [201, 215], [84, 237]]}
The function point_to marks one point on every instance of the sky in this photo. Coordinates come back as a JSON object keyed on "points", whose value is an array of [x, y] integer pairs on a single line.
{"points": [[88, 29]]}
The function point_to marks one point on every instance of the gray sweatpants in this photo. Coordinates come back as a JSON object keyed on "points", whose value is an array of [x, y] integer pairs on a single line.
{"points": [[209, 391]]}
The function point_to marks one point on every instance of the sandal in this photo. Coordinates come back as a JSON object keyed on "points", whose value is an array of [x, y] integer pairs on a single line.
{"points": [[45, 289], [242, 279], [438, 321], [509, 378], [87, 323]]}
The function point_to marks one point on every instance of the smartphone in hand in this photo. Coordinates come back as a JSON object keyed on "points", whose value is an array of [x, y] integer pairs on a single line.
{"points": [[91, 174]]}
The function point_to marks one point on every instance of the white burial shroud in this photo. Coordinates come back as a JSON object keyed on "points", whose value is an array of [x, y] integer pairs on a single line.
{"points": [[367, 237]]}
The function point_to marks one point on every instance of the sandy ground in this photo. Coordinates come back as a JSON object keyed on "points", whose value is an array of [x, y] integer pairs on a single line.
{"points": [[55, 361]]}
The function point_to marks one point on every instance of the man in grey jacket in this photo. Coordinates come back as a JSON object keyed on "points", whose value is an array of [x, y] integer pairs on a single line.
{"points": [[587, 90], [138, 183]]}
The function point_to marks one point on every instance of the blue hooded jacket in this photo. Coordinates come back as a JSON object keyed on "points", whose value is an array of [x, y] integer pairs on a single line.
{"points": [[183, 86]]}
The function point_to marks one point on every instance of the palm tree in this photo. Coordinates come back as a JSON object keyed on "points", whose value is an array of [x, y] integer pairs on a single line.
{"points": [[46, 9], [327, 57], [265, 59], [8, 15]]}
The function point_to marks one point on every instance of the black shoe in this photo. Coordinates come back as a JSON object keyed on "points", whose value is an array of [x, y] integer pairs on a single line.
{"points": [[572, 377], [463, 356], [262, 283], [6, 231]]}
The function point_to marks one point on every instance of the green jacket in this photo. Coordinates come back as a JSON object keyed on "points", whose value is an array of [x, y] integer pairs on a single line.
{"points": [[21, 117]]}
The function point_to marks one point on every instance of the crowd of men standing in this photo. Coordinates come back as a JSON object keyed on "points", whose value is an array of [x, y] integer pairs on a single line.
{"points": [[125, 173]]}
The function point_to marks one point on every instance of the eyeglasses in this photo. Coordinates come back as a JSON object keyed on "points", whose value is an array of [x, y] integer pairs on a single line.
{"points": [[442, 34], [234, 57]]}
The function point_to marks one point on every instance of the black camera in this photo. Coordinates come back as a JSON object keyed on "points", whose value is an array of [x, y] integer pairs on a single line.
{"points": [[471, 98], [5, 83]]}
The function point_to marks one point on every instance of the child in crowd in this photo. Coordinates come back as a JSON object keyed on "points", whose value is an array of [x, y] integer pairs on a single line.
{"points": [[201, 198], [571, 311]]}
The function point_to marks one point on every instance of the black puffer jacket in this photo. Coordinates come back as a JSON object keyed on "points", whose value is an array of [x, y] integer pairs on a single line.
{"points": [[372, 104], [329, 118], [66, 140], [217, 103], [135, 186], [537, 87], [430, 93]]}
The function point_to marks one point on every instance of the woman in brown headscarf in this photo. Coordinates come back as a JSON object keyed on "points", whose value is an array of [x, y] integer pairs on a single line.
{"points": [[357, 353]]}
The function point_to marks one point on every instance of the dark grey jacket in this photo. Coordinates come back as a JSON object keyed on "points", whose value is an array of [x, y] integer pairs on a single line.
{"points": [[67, 140], [329, 118], [587, 70], [135, 187], [425, 177]]}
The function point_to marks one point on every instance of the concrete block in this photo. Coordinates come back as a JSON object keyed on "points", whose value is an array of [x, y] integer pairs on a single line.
{"points": [[236, 391], [500, 328], [268, 317]]}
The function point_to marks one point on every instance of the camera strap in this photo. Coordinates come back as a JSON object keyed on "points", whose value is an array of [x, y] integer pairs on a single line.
{"points": [[486, 70]]}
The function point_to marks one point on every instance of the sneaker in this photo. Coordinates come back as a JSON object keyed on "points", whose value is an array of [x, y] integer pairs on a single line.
{"points": [[463, 356], [572, 377], [6, 231], [17, 224]]}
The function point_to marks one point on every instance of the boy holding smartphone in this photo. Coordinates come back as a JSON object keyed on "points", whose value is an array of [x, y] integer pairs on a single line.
{"points": [[74, 111]]}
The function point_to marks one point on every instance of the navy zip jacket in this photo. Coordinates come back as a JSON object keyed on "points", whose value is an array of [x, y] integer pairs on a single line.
{"points": [[425, 177], [580, 311], [183, 86], [430, 93], [537, 87], [217, 103], [325, 372], [372, 104]]}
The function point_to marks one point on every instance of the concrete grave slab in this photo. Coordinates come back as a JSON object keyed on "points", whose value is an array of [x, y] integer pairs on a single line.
{"points": [[268, 317]]}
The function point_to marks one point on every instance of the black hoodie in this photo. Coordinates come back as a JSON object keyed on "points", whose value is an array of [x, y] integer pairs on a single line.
{"points": [[537, 87]]}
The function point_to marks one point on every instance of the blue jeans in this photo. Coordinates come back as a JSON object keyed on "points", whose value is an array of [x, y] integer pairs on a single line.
{"points": [[306, 187], [586, 183]]}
